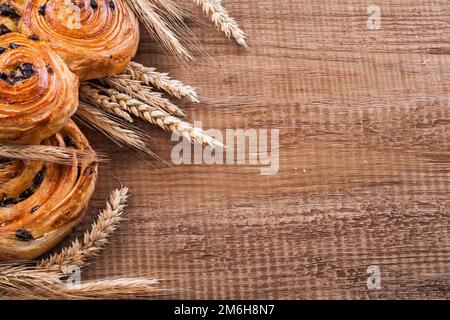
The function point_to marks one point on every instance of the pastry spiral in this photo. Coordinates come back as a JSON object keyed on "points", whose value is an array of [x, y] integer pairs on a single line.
{"points": [[96, 38], [41, 202], [38, 92]]}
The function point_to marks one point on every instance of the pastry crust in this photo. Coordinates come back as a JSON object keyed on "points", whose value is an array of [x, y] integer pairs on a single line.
{"points": [[38, 92], [40, 202], [96, 38]]}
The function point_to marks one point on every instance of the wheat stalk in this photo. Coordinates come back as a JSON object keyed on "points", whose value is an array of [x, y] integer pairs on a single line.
{"points": [[116, 289], [177, 16], [122, 133], [161, 81], [169, 7], [25, 281], [36, 285], [158, 27], [28, 281], [93, 240], [223, 21], [45, 153], [137, 90], [162, 119], [39, 286]]}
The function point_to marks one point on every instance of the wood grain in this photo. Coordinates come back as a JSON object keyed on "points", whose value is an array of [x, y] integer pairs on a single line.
{"points": [[364, 160]]}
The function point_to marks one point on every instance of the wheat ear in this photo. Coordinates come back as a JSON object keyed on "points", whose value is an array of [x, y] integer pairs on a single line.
{"points": [[223, 21], [96, 98], [116, 289], [157, 26], [21, 281], [53, 154], [162, 119], [27, 281], [95, 239], [137, 90], [122, 133], [161, 81]]}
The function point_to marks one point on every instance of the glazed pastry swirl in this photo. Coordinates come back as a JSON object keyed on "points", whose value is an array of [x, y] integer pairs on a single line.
{"points": [[41, 202], [96, 38], [38, 92]]}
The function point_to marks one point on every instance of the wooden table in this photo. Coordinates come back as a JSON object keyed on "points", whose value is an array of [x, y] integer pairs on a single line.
{"points": [[364, 125]]}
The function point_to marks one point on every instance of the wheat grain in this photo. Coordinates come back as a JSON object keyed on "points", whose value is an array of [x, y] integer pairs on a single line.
{"points": [[137, 90], [45, 153], [223, 21], [122, 133], [94, 96], [161, 81], [93, 240], [162, 119], [159, 28]]}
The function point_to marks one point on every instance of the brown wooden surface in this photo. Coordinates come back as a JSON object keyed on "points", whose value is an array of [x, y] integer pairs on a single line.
{"points": [[364, 169]]}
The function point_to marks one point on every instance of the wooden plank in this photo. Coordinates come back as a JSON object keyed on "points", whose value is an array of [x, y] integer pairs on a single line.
{"points": [[364, 160]]}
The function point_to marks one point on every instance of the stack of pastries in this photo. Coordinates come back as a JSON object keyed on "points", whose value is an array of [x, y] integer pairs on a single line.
{"points": [[46, 48]]}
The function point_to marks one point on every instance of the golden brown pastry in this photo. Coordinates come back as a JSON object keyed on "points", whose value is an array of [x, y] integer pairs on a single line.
{"points": [[96, 38], [38, 92], [40, 202]]}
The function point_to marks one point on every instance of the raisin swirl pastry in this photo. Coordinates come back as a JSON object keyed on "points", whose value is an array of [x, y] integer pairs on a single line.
{"points": [[40, 202], [38, 92], [96, 38]]}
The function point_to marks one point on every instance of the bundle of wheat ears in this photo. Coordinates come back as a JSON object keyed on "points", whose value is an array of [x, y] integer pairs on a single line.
{"points": [[136, 92], [110, 105]]}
